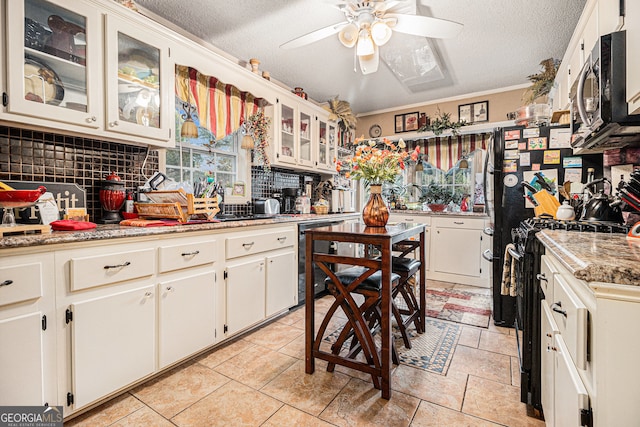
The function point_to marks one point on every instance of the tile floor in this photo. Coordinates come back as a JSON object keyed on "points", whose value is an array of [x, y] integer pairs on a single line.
{"points": [[259, 380]]}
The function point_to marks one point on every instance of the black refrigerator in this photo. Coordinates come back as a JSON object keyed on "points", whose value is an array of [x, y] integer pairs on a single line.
{"points": [[514, 151]]}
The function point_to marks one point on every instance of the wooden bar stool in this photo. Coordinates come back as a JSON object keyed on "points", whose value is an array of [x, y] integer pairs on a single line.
{"points": [[406, 268], [364, 319]]}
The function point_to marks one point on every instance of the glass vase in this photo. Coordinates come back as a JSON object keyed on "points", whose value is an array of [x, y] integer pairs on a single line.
{"points": [[375, 212]]}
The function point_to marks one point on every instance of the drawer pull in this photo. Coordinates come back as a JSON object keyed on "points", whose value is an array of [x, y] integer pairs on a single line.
{"points": [[109, 267], [247, 245], [282, 239], [170, 289], [148, 294], [458, 222], [541, 277], [557, 307], [6, 282], [190, 253]]}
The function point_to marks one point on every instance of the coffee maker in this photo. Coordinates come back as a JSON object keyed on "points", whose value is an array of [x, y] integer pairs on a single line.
{"points": [[289, 196]]}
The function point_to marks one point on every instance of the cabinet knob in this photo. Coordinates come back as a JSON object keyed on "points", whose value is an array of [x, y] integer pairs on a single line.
{"points": [[148, 294], [170, 289], [114, 123], [6, 282], [91, 119]]}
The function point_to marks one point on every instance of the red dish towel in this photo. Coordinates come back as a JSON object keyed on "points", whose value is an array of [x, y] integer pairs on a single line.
{"points": [[68, 224]]}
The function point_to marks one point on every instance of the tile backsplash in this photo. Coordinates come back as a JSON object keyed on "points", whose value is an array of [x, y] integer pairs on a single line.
{"points": [[27, 155]]}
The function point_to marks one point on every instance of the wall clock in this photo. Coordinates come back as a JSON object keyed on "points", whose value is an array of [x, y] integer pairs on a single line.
{"points": [[375, 131]]}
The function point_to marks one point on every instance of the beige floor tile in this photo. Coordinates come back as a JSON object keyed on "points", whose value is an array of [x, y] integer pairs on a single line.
{"points": [[179, 388], [295, 348], [498, 343], [500, 329], [310, 393], [443, 390], [256, 366], [431, 415], [222, 354], [481, 363], [515, 372], [143, 417], [288, 416], [294, 316], [274, 335], [233, 404], [107, 413], [335, 323], [469, 337], [497, 402], [359, 404]]}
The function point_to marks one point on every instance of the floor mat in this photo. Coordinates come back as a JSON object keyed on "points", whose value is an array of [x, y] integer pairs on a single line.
{"points": [[468, 307], [431, 351]]}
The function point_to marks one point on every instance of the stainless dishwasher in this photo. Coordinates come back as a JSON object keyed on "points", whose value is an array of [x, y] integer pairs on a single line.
{"points": [[320, 246]]}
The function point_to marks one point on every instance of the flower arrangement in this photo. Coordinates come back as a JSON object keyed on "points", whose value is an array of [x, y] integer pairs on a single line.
{"points": [[257, 126], [377, 162]]}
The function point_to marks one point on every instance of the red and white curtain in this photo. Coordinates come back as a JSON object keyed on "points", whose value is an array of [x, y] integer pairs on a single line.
{"points": [[444, 152], [222, 108]]}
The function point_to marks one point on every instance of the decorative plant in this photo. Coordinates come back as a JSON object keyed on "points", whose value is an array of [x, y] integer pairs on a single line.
{"points": [[441, 122], [377, 162], [257, 126], [542, 82], [340, 111]]}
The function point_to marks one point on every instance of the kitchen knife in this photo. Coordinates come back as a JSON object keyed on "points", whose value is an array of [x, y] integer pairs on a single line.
{"points": [[543, 182], [533, 191]]}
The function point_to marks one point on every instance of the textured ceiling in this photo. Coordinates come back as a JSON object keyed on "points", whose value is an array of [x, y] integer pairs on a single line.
{"points": [[503, 41]]}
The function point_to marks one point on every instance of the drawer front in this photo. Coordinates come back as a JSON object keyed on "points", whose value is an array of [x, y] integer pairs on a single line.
{"points": [[104, 269], [248, 244], [186, 255], [547, 272], [570, 315], [418, 219], [459, 222], [20, 283]]}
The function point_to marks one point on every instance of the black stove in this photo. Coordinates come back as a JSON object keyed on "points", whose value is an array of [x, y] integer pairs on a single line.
{"points": [[529, 251]]}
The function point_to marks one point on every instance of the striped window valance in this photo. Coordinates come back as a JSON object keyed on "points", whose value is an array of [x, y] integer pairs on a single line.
{"points": [[444, 152], [222, 108]]}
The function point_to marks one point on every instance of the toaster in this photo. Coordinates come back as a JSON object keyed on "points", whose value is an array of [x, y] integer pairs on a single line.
{"points": [[266, 207]]}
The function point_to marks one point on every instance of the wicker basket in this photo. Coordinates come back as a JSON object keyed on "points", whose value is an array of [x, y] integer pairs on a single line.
{"points": [[322, 210]]}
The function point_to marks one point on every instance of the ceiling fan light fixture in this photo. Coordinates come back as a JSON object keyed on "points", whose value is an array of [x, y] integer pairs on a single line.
{"points": [[365, 45], [348, 35], [380, 32]]}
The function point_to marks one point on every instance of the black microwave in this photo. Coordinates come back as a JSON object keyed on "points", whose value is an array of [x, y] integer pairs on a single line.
{"points": [[600, 119]]}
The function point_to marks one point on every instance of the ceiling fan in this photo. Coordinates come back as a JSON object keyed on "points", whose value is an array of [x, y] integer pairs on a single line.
{"points": [[370, 25]]}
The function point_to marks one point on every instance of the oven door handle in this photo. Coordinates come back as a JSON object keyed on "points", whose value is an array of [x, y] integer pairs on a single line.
{"points": [[488, 255], [515, 254]]}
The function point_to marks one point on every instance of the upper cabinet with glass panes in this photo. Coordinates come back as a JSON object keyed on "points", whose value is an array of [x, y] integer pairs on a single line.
{"points": [[55, 52]]}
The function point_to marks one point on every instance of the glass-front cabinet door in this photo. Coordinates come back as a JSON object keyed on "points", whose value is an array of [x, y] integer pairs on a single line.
{"points": [[138, 79], [54, 61], [306, 152], [287, 149], [323, 146], [332, 140]]}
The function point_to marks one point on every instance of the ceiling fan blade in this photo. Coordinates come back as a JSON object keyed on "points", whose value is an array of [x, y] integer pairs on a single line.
{"points": [[314, 36], [425, 26], [369, 63], [388, 4]]}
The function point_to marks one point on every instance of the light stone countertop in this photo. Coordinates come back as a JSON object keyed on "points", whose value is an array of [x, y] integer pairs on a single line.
{"points": [[595, 257], [114, 231], [430, 213]]}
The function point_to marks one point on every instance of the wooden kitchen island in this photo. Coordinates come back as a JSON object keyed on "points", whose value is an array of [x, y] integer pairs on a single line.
{"points": [[381, 238]]}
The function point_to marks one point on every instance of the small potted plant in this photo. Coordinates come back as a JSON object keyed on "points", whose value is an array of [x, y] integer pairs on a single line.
{"points": [[437, 196]]}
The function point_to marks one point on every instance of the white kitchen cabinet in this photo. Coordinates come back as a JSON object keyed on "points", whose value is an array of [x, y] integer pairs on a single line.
{"points": [[570, 395], [260, 275], [632, 26], [279, 277], [456, 250], [609, 18], [55, 75], [548, 330], [112, 342], [395, 217], [139, 80], [186, 316], [89, 67], [286, 125], [27, 331], [306, 144], [326, 146]]}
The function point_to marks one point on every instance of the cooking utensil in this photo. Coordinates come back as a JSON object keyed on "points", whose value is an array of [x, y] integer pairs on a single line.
{"points": [[602, 207], [543, 182]]}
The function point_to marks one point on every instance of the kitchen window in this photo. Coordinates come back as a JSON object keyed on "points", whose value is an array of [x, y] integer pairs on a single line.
{"points": [[195, 158]]}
